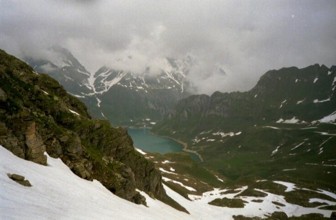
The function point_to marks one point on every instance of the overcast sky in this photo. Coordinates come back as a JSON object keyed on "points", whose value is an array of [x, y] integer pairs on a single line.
{"points": [[244, 38]]}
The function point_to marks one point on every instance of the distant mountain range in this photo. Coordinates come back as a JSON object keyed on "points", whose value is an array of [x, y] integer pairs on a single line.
{"points": [[125, 98], [281, 128], [286, 95]]}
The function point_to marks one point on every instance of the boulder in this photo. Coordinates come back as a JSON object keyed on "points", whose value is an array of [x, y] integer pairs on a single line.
{"points": [[19, 179], [83, 169]]}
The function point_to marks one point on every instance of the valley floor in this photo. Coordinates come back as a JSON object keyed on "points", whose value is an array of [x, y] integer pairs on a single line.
{"points": [[56, 193]]}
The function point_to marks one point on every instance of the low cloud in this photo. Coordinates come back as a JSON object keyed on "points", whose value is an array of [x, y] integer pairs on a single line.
{"points": [[232, 42]]}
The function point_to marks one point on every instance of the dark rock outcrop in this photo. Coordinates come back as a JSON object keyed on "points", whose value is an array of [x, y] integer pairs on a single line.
{"points": [[3, 96], [35, 146], [19, 179]]}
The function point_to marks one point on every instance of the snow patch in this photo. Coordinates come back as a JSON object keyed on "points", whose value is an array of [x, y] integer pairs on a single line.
{"points": [[165, 171], [140, 151], [107, 84], [290, 186], [315, 80], [293, 120], [166, 161], [312, 200], [77, 96], [327, 193], [297, 146], [291, 169], [329, 118], [282, 103], [300, 101], [271, 127], [221, 180], [223, 134], [73, 112], [321, 101], [98, 101], [275, 151], [179, 183]]}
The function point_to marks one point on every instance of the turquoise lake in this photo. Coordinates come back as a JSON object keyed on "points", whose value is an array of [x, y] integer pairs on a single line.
{"points": [[147, 141]]}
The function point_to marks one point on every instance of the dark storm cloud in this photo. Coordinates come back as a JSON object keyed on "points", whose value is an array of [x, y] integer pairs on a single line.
{"points": [[243, 38]]}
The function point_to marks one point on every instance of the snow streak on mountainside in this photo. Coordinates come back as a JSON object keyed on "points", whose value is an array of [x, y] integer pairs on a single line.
{"points": [[111, 93], [129, 98], [65, 68], [105, 78], [171, 76]]}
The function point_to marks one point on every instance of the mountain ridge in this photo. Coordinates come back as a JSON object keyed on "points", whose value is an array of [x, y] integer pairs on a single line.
{"points": [[287, 121], [104, 91]]}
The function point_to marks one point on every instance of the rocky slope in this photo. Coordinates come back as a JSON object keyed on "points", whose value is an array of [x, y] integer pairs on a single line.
{"points": [[123, 97], [38, 115]]}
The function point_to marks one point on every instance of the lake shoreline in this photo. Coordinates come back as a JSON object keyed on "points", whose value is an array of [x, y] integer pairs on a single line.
{"points": [[185, 146]]}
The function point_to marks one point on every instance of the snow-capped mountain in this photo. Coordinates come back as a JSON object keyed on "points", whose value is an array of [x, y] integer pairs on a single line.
{"points": [[106, 77], [125, 98], [131, 98], [65, 68]]}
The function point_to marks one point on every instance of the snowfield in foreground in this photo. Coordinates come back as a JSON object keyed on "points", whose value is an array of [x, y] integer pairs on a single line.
{"points": [[57, 193]]}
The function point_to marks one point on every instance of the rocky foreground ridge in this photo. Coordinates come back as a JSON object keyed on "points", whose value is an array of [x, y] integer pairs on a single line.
{"points": [[37, 115]]}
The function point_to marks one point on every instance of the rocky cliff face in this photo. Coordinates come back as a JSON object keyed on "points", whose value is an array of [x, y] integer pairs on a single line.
{"points": [[37, 115], [306, 94]]}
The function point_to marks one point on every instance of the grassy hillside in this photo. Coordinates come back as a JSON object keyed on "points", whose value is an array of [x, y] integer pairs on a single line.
{"points": [[272, 131]]}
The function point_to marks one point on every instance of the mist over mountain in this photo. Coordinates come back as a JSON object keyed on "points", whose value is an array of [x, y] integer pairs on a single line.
{"points": [[123, 97], [244, 38]]}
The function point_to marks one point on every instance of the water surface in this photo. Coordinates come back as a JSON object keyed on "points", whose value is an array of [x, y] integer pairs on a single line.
{"points": [[147, 141]]}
